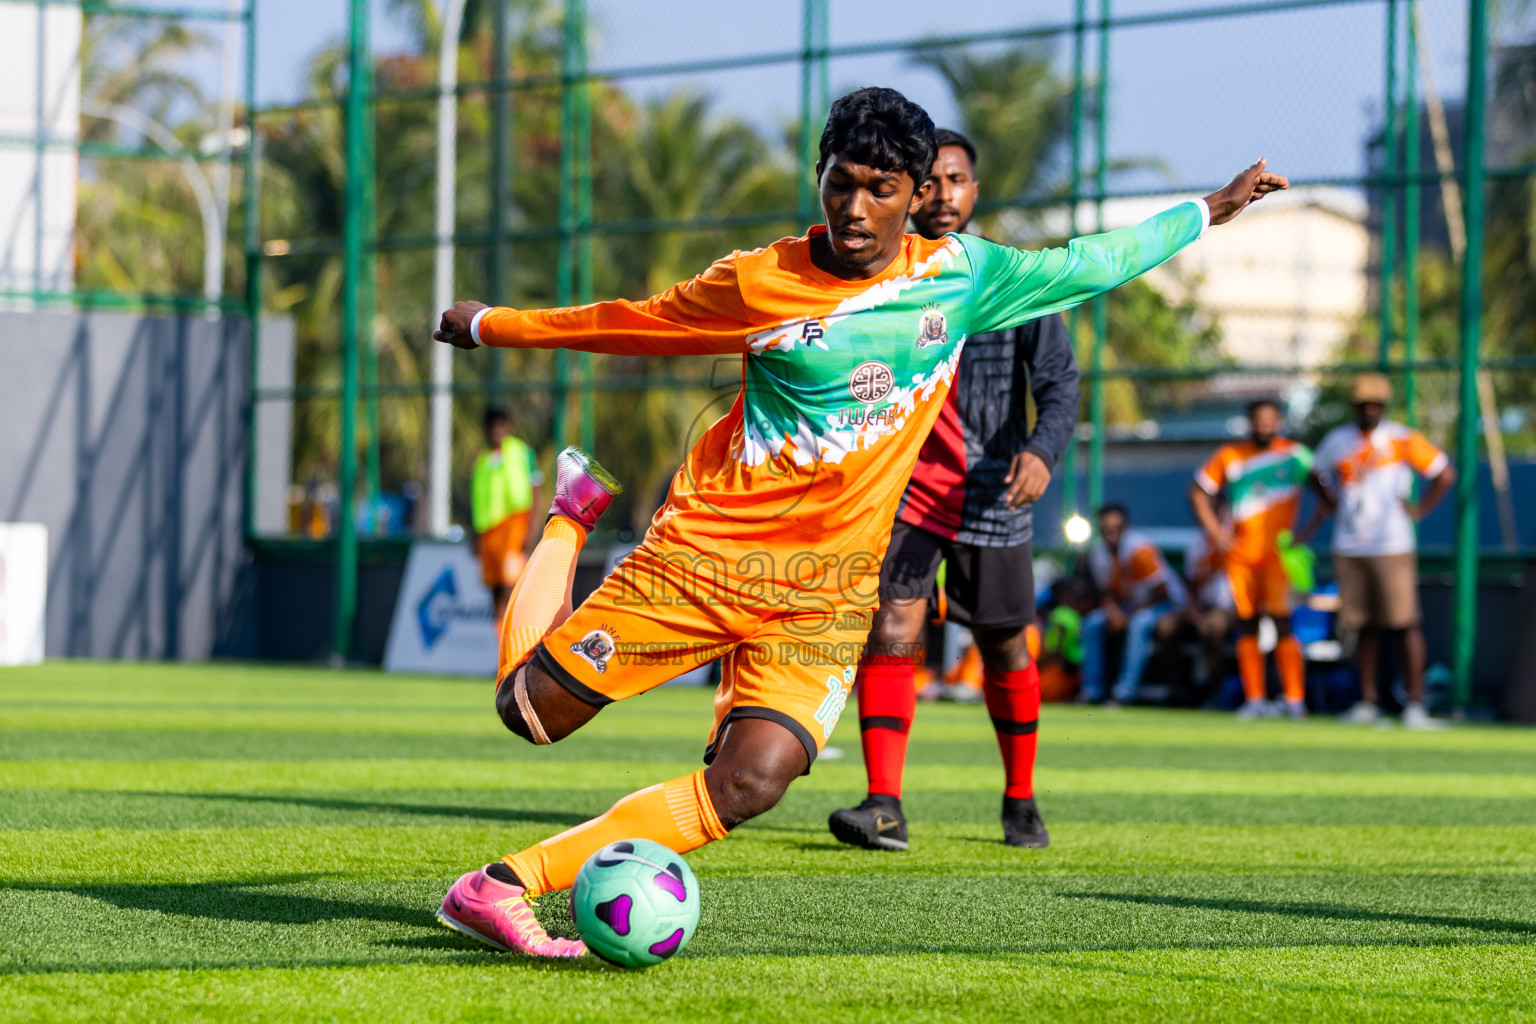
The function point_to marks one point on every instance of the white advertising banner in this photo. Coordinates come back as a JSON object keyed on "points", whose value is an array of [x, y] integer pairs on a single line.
{"points": [[23, 592], [444, 621]]}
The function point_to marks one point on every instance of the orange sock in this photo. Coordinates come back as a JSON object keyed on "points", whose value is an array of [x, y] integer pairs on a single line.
{"points": [[677, 814], [1250, 666], [1293, 668], [542, 598]]}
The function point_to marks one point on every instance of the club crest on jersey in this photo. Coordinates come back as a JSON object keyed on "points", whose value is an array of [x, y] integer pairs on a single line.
{"points": [[871, 381], [932, 328], [596, 647]]}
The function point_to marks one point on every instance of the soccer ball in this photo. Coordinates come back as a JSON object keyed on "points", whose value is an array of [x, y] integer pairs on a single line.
{"points": [[636, 903]]}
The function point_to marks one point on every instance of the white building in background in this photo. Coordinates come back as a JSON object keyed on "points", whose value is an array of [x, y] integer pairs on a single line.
{"points": [[1285, 281], [39, 126], [1289, 278]]}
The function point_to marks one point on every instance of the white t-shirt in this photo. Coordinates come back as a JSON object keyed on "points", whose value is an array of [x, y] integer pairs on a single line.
{"points": [[1372, 477]]}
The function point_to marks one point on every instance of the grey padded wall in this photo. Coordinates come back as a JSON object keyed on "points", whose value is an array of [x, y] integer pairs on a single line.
{"points": [[126, 436]]}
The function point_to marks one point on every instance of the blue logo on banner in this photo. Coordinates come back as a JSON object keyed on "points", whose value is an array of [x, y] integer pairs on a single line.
{"points": [[436, 608]]}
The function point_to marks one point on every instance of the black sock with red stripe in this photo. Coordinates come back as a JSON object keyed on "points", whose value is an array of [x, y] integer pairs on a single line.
{"points": [[887, 702], [1013, 701]]}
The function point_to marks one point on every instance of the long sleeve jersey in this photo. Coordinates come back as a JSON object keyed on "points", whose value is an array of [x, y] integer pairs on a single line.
{"points": [[841, 381], [958, 483]]}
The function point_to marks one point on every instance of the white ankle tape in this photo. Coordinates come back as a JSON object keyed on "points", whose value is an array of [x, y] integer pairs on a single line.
{"points": [[525, 707]]}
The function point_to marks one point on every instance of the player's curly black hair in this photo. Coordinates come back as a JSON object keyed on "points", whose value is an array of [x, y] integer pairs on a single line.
{"points": [[882, 128]]}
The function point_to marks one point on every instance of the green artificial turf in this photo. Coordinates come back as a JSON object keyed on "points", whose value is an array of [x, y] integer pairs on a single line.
{"points": [[233, 843]]}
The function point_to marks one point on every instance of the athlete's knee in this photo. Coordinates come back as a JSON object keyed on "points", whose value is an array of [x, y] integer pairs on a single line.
{"points": [[1003, 650], [897, 631], [1282, 625], [509, 708], [757, 760], [1248, 626], [745, 791], [537, 708]]}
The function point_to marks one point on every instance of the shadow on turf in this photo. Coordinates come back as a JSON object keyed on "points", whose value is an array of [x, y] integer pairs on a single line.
{"points": [[252, 902], [238, 901], [1334, 911], [501, 814]]}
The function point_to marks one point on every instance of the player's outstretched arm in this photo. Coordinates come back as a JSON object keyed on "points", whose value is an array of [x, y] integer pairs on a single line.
{"points": [[1013, 286], [699, 317]]}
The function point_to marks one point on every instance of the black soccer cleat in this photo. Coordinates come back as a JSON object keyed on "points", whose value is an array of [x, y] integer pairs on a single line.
{"points": [[876, 824], [1022, 825]]}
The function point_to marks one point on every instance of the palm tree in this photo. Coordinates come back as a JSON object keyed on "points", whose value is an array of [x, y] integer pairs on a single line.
{"points": [[134, 217], [672, 159], [1016, 110]]}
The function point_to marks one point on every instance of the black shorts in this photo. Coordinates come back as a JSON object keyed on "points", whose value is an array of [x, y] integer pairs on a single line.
{"points": [[985, 588]]}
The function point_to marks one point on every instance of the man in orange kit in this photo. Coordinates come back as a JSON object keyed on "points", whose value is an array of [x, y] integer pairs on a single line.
{"points": [[767, 551], [1263, 477]]}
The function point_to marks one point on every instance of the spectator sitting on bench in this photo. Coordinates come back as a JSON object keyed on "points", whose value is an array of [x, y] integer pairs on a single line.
{"points": [[1138, 588], [1061, 647], [1207, 614]]}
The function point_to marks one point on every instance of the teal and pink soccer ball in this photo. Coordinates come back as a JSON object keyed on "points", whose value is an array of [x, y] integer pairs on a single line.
{"points": [[636, 903]]}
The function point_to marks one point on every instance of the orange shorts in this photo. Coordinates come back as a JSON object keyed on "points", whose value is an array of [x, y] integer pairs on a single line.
{"points": [[786, 657], [501, 551], [1259, 589]]}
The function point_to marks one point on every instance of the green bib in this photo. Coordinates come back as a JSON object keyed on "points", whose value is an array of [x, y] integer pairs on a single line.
{"points": [[502, 485]]}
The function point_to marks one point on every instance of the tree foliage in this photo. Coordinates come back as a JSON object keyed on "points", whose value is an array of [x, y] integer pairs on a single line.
{"points": [[1016, 109]]}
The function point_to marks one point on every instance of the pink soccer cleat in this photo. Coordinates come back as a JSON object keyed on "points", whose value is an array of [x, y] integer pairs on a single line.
{"points": [[583, 489], [498, 914]]}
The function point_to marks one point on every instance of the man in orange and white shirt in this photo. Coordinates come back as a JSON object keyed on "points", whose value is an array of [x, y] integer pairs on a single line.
{"points": [[1138, 589], [1365, 473], [1262, 477]]}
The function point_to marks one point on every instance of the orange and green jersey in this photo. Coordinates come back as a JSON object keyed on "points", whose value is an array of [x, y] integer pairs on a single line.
{"points": [[796, 487], [1263, 488]]}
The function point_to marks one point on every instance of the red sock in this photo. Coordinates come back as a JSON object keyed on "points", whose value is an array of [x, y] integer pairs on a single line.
{"points": [[887, 702], [1013, 701]]}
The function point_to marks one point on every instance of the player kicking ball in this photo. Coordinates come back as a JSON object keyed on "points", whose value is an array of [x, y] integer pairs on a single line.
{"points": [[768, 548]]}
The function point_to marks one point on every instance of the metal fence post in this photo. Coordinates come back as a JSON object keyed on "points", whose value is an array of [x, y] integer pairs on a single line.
{"points": [[584, 269], [823, 62], [1388, 195], [809, 142], [358, 74], [1465, 611], [565, 290], [1069, 497], [369, 297], [1411, 200], [252, 262], [500, 103], [1100, 303]]}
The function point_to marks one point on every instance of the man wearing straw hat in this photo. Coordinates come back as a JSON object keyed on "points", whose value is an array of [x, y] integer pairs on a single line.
{"points": [[1364, 472]]}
